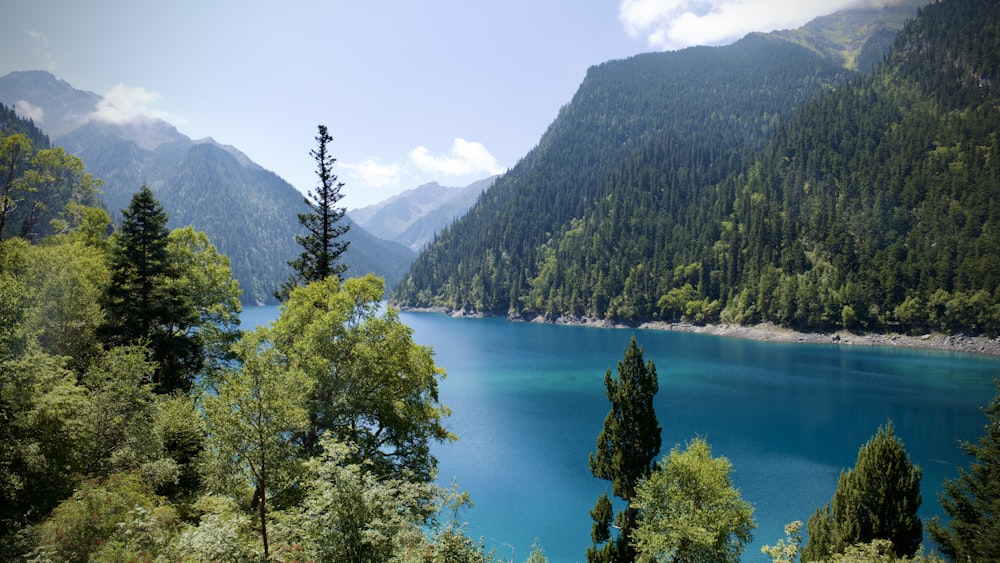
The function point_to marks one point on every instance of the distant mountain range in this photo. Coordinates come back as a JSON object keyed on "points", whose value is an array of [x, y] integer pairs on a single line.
{"points": [[249, 213], [414, 217]]}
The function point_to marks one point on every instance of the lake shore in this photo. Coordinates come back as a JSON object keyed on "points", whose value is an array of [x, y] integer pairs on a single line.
{"points": [[768, 332]]}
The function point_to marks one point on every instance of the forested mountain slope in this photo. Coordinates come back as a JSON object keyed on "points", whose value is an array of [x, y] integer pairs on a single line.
{"points": [[650, 197], [249, 213], [710, 108]]}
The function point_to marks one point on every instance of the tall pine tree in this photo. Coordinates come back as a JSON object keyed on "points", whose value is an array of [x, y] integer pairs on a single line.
{"points": [[143, 303], [877, 499], [322, 245], [626, 449], [973, 499]]}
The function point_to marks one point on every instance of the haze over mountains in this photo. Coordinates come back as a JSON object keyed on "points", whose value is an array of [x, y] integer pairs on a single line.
{"points": [[413, 217], [249, 213]]}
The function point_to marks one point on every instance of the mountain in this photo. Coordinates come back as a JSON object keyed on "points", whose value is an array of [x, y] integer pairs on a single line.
{"points": [[414, 217], [249, 213], [859, 38], [761, 181]]}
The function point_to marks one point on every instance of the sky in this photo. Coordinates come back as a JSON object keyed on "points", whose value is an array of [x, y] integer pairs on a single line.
{"points": [[412, 92]]}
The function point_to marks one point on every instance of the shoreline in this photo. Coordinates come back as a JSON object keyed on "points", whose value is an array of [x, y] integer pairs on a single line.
{"points": [[764, 332]]}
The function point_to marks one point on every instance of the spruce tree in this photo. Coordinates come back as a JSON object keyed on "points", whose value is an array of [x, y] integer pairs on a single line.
{"points": [[626, 449], [973, 499], [877, 499], [322, 245], [143, 303]]}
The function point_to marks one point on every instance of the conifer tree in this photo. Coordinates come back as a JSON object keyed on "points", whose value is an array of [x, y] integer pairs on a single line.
{"points": [[143, 302], [973, 499], [322, 245], [626, 448], [877, 499]]}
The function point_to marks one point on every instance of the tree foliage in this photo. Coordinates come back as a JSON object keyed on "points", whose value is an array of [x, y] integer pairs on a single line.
{"points": [[666, 192], [322, 246], [878, 499], [689, 509], [626, 448], [372, 386], [972, 500], [251, 419], [144, 303]]}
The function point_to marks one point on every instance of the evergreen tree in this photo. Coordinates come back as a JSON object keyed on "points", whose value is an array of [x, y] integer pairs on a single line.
{"points": [[877, 499], [322, 246], [973, 499], [143, 302], [626, 448]]}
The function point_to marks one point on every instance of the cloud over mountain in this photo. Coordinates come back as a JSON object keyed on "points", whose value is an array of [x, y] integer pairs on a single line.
{"points": [[674, 24]]}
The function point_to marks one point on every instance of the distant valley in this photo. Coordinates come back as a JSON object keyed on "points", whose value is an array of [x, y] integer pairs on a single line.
{"points": [[414, 217], [249, 213]]}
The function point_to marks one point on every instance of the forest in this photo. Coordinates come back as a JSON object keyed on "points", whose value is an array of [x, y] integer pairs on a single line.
{"points": [[141, 423], [757, 182]]}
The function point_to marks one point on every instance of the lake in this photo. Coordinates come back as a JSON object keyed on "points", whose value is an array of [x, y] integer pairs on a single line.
{"points": [[528, 403]]}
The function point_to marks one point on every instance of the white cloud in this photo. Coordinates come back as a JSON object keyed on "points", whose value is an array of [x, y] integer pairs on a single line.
{"points": [[124, 103], [373, 173], [464, 157], [674, 24], [30, 111]]}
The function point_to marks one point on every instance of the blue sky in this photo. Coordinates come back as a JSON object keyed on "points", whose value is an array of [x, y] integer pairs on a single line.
{"points": [[412, 92]]}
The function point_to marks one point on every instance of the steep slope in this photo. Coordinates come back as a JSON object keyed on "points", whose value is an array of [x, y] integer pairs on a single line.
{"points": [[859, 37], [713, 107], [413, 217], [878, 205], [874, 206], [248, 212]]}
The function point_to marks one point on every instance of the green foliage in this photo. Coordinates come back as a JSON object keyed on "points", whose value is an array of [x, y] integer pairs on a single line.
{"points": [[322, 245], [787, 549], [626, 447], [38, 182], [144, 303], [972, 500], [68, 277], [690, 511], [105, 520], [372, 386], [250, 421], [877, 499], [118, 413], [206, 278], [354, 515], [867, 206], [43, 437]]}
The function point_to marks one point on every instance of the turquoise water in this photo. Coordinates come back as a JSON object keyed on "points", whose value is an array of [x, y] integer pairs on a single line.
{"points": [[528, 402]]}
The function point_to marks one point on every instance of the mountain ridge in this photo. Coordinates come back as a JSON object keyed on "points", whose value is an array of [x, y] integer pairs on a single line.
{"points": [[689, 186], [248, 212], [415, 216]]}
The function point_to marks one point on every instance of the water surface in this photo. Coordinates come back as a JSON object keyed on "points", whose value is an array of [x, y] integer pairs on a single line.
{"points": [[529, 402]]}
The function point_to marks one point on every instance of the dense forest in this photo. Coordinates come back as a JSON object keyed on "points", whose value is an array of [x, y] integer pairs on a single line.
{"points": [[749, 183]]}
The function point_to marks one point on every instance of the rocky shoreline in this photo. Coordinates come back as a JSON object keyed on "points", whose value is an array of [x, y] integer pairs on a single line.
{"points": [[767, 332]]}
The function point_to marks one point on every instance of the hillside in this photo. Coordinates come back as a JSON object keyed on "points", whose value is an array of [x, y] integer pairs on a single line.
{"points": [[714, 192], [249, 213], [414, 217], [710, 108]]}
